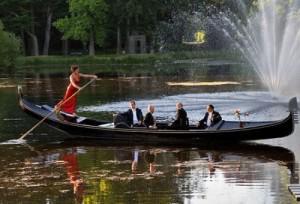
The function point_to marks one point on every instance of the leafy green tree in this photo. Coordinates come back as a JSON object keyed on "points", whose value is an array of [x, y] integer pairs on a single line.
{"points": [[31, 20], [9, 47], [86, 22]]}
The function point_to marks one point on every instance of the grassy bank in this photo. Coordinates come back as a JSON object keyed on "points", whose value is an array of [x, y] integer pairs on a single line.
{"points": [[124, 59], [136, 64]]}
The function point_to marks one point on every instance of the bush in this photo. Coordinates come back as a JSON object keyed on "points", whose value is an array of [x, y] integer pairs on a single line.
{"points": [[9, 48]]}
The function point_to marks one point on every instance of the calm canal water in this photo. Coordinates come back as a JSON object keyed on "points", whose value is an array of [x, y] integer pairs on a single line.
{"points": [[49, 169]]}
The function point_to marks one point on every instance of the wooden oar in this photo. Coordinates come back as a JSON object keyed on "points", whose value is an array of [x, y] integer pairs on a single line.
{"points": [[52, 112]]}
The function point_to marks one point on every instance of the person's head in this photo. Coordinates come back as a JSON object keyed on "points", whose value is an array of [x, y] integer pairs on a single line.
{"points": [[179, 105], [132, 104], [74, 68], [210, 108], [151, 108]]}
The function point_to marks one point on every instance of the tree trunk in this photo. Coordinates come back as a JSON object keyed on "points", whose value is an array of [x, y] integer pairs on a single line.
{"points": [[23, 42], [118, 40], [47, 31], [92, 45], [34, 45], [127, 34], [65, 47]]}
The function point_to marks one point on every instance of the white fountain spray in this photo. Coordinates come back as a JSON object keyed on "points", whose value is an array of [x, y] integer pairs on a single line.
{"points": [[269, 38]]}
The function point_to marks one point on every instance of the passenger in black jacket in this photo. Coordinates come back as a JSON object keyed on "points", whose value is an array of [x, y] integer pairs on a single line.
{"points": [[181, 121], [210, 119], [134, 115], [149, 121]]}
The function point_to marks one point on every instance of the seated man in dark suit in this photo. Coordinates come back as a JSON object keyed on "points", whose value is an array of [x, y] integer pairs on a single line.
{"points": [[134, 115], [149, 121], [211, 118], [181, 121]]}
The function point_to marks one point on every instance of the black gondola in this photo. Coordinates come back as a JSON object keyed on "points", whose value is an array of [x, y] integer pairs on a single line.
{"points": [[223, 131]]}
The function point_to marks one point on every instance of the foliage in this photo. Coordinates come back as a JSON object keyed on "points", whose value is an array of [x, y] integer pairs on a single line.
{"points": [[9, 47], [87, 17], [110, 22], [119, 60]]}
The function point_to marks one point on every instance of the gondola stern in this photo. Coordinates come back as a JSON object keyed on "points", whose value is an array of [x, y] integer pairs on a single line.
{"points": [[293, 105], [294, 108]]}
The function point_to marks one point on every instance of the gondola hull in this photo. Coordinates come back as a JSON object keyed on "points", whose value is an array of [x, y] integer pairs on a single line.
{"points": [[228, 132]]}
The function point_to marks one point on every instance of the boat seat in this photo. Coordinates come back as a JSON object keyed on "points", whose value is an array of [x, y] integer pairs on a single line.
{"points": [[107, 125], [79, 119], [46, 107], [216, 126], [49, 108]]}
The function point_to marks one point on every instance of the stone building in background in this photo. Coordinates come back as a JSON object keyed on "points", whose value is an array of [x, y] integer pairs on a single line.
{"points": [[137, 44]]}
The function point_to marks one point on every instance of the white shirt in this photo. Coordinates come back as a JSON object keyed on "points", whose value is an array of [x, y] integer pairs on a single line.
{"points": [[209, 118], [135, 119]]}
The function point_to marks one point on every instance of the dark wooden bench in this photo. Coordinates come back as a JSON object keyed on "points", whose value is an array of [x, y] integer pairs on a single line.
{"points": [[295, 190]]}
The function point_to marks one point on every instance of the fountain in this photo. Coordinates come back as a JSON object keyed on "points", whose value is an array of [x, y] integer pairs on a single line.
{"points": [[268, 37]]}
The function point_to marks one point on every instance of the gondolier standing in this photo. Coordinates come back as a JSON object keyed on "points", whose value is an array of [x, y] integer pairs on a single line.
{"points": [[70, 105]]}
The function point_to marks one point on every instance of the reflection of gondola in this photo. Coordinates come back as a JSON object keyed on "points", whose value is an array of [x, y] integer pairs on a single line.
{"points": [[225, 130], [94, 167], [250, 150], [261, 152]]}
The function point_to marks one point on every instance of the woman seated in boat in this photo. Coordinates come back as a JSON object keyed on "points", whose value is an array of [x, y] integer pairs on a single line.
{"points": [[181, 122], [149, 121], [134, 115], [211, 118], [69, 106]]}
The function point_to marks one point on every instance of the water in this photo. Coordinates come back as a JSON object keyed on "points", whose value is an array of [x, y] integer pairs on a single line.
{"points": [[49, 169], [113, 174], [268, 37]]}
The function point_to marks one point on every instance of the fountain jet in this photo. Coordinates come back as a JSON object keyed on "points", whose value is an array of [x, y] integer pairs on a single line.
{"points": [[268, 37]]}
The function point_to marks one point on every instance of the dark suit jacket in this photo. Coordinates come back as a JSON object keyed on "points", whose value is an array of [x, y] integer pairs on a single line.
{"points": [[181, 121], [149, 120], [216, 117], [129, 116]]}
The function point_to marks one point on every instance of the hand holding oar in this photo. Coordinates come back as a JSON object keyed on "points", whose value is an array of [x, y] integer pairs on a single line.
{"points": [[55, 109]]}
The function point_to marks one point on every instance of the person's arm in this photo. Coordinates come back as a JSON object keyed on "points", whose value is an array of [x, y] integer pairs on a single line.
{"points": [[93, 76], [146, 120], [217, 118], [130, 117], [177, 117], [140, 116], [73, 82]]}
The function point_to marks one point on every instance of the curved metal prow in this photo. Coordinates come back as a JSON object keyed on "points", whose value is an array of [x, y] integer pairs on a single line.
{"points": [[20, 91], [20, 96], [293, 108]]}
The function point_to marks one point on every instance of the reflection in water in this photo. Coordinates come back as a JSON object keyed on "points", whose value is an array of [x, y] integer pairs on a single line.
{"points": [[149, 158], [213, 83], [72, 168], [96, 173]]}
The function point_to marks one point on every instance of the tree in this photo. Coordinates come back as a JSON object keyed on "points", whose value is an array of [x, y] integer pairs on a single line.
{"points": [[9, 47], [18, 18], [32, 21], [86, 22], [51, 9], [128, 16]]}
